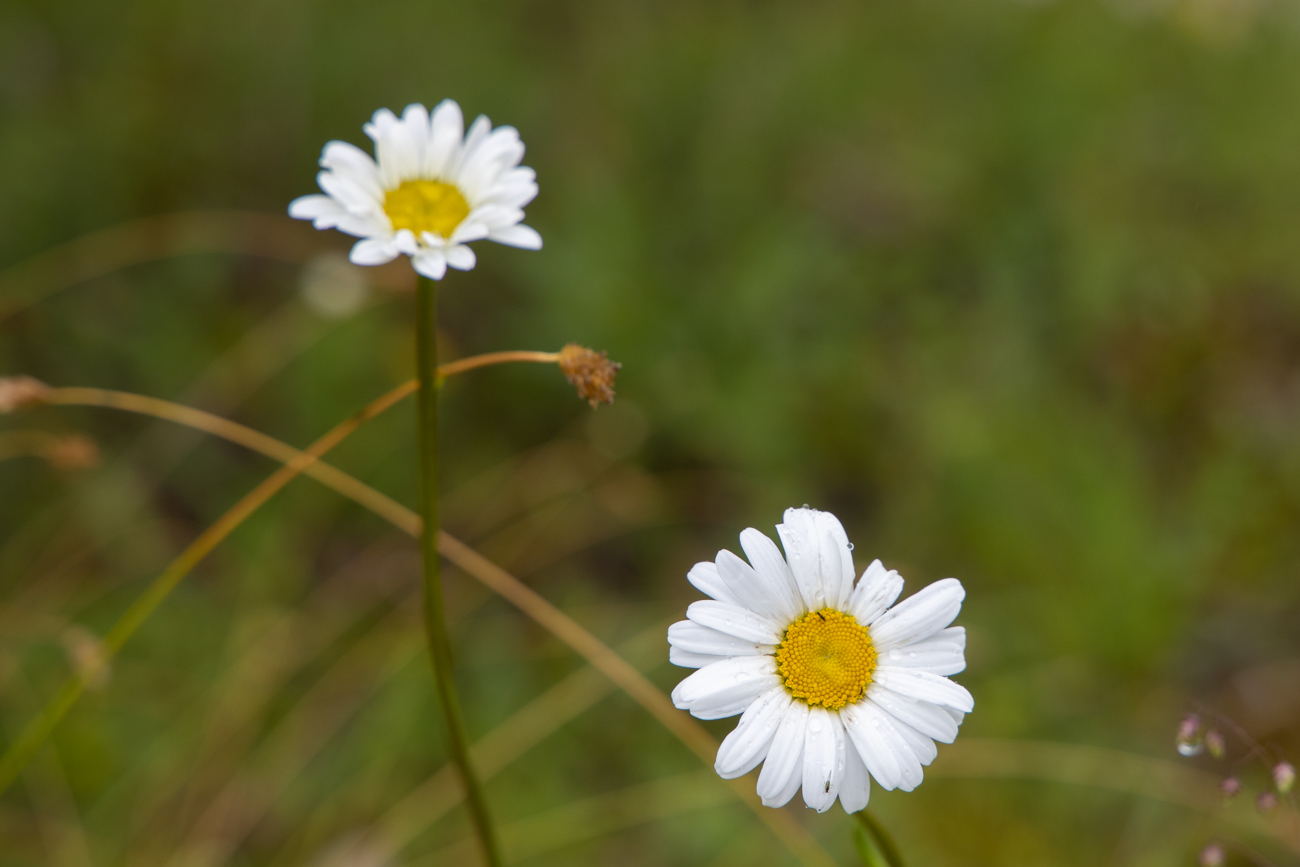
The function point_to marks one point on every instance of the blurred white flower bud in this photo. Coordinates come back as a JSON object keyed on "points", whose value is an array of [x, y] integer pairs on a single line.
{"points": [[332, 287]]}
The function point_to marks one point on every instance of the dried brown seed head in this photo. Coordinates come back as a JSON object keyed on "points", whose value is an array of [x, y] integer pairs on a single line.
{"points": [[20, 392], [591, 372]]}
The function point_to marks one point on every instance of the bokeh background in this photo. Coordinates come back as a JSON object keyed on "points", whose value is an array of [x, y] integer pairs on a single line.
{"points": [[1011, 287]]}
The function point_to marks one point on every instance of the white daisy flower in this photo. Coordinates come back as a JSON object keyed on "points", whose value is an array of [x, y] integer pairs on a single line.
{"points": [[434, 189], [832, 683]]}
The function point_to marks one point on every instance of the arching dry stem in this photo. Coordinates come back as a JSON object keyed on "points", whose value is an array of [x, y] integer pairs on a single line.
{"points": [[597, 653]]}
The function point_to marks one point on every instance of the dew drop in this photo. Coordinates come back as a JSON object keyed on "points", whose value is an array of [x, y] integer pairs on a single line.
{"points": [[850, 546]]}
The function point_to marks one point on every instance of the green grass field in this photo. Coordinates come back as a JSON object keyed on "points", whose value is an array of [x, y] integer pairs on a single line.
{"points": [[1011, 287]]}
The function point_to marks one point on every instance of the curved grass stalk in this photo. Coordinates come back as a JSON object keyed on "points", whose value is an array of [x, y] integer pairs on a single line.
{"points": [[976, 758], [793, 835], [21, 751], [295, 462], [264, 350]]}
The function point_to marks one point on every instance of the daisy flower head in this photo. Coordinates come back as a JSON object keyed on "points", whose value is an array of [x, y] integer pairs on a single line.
{"points": [[431, 189], [834, 683]]}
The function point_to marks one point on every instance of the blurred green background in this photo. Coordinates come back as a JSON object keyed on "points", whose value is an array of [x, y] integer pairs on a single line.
{"points": [[1011, 287]]}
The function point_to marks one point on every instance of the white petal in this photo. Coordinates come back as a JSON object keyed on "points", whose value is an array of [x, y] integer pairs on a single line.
{"points": [[734, 620], [362, 225], [460, 257], [876, 591], [823, 759], [399, 144], [495, 216], [782, 773], [942, 653], [447, 126], [521, 236], [753, 592], [348, 190], [468, 230], [347, 159], [747, 745], [923, 686], [510, 195], [726, 688], [687, 659], [316, 207], [373, 251], [922, 747], [481, 170], [406, 243], [705, 578], [929, 719], [886, 753], [919, 616], [695, 638], [430, 263], [478, 132], [819, 555], [772, 573], [855, 790]]}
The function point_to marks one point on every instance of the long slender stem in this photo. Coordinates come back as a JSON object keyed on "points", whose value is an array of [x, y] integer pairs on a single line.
{"points": [[435, 617], [881, 837]]}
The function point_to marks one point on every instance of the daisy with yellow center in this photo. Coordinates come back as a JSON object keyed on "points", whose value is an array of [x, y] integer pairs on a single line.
{"points": [[835, 684], [431, 190]]}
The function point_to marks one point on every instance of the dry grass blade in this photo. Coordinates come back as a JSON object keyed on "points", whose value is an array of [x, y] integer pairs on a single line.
{"points": [[793, 835], [20, 752]]}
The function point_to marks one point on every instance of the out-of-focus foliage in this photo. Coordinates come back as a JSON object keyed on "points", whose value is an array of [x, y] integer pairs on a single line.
{"points": [[1013, 288]]}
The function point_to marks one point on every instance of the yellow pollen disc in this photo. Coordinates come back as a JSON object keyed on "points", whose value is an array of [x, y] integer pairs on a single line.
{"points": [[426, 206], [826, 658]]}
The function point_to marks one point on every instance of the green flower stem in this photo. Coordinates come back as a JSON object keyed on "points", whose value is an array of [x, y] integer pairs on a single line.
{"points": [[875, 846], [435, 619]]}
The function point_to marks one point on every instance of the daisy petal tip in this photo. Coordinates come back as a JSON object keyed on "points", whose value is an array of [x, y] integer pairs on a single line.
{"points": [[521, 236]]}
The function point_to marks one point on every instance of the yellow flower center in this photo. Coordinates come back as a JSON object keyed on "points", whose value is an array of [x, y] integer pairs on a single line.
{"points": [[426, 206], [826, 658]]}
